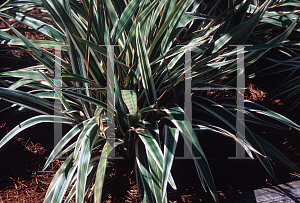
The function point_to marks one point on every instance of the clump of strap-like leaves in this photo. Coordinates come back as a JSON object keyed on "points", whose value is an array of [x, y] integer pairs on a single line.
{"points": [[150, 38]]}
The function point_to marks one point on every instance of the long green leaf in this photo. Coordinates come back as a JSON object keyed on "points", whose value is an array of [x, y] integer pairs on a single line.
{"points": [[125, 18], [83, 136], [38, 25], [84, 159], [145, 69], [65, 140], [61, 170], [31, 122], [143, 169], [84, 98], [254, 107], [155, 151], [176, 115], [171, 139], [275, 154], [101, 170], [26, 100]]}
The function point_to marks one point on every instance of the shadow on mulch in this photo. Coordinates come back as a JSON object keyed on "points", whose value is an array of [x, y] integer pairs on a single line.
{"points": [[22, 159]]}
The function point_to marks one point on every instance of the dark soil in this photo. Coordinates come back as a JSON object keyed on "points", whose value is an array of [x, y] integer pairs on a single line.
{"points": [[22, 159]]}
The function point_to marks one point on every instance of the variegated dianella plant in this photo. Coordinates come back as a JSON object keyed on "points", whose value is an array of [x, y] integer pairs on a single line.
{"points": [[151, 38]]}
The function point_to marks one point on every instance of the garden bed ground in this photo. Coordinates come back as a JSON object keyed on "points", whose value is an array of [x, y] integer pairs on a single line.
{"points": [[22, 178]]}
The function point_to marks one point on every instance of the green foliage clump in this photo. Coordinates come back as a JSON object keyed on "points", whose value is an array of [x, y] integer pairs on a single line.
{"points": [[150, 38]]}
